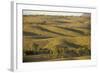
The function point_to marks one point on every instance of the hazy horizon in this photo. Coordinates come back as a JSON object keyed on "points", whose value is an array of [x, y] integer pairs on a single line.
{"points": [[31, 12]]}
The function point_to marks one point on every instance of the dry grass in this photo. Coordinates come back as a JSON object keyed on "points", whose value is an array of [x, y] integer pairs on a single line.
{"points": [[57, 33]]}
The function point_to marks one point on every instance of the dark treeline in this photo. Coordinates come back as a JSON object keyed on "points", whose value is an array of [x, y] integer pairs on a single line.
{"points": [[59, 52]]}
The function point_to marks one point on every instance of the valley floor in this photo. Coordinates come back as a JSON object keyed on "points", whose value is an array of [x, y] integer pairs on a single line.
{"points": [[32, 58]]}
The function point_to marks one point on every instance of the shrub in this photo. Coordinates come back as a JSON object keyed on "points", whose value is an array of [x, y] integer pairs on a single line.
{"points": [[84, 52], [71, 53], [28, 52]]}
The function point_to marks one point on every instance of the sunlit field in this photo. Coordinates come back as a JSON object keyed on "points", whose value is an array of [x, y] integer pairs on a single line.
{"points": [[56, 38]]}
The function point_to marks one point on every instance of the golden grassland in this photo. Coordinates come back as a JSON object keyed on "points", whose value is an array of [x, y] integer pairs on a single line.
{"points": [[55, 38]]}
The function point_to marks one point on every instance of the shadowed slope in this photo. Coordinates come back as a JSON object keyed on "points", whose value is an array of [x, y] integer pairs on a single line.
{"points": [[49, 31], [73, 30], [26, 33], [35, 36]]}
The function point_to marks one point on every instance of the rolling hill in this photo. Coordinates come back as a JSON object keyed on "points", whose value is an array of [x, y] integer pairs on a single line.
{"points": [[65, 36]]}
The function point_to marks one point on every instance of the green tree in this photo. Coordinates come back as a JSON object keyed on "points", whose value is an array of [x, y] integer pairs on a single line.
{"points": [[35, 47]]}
